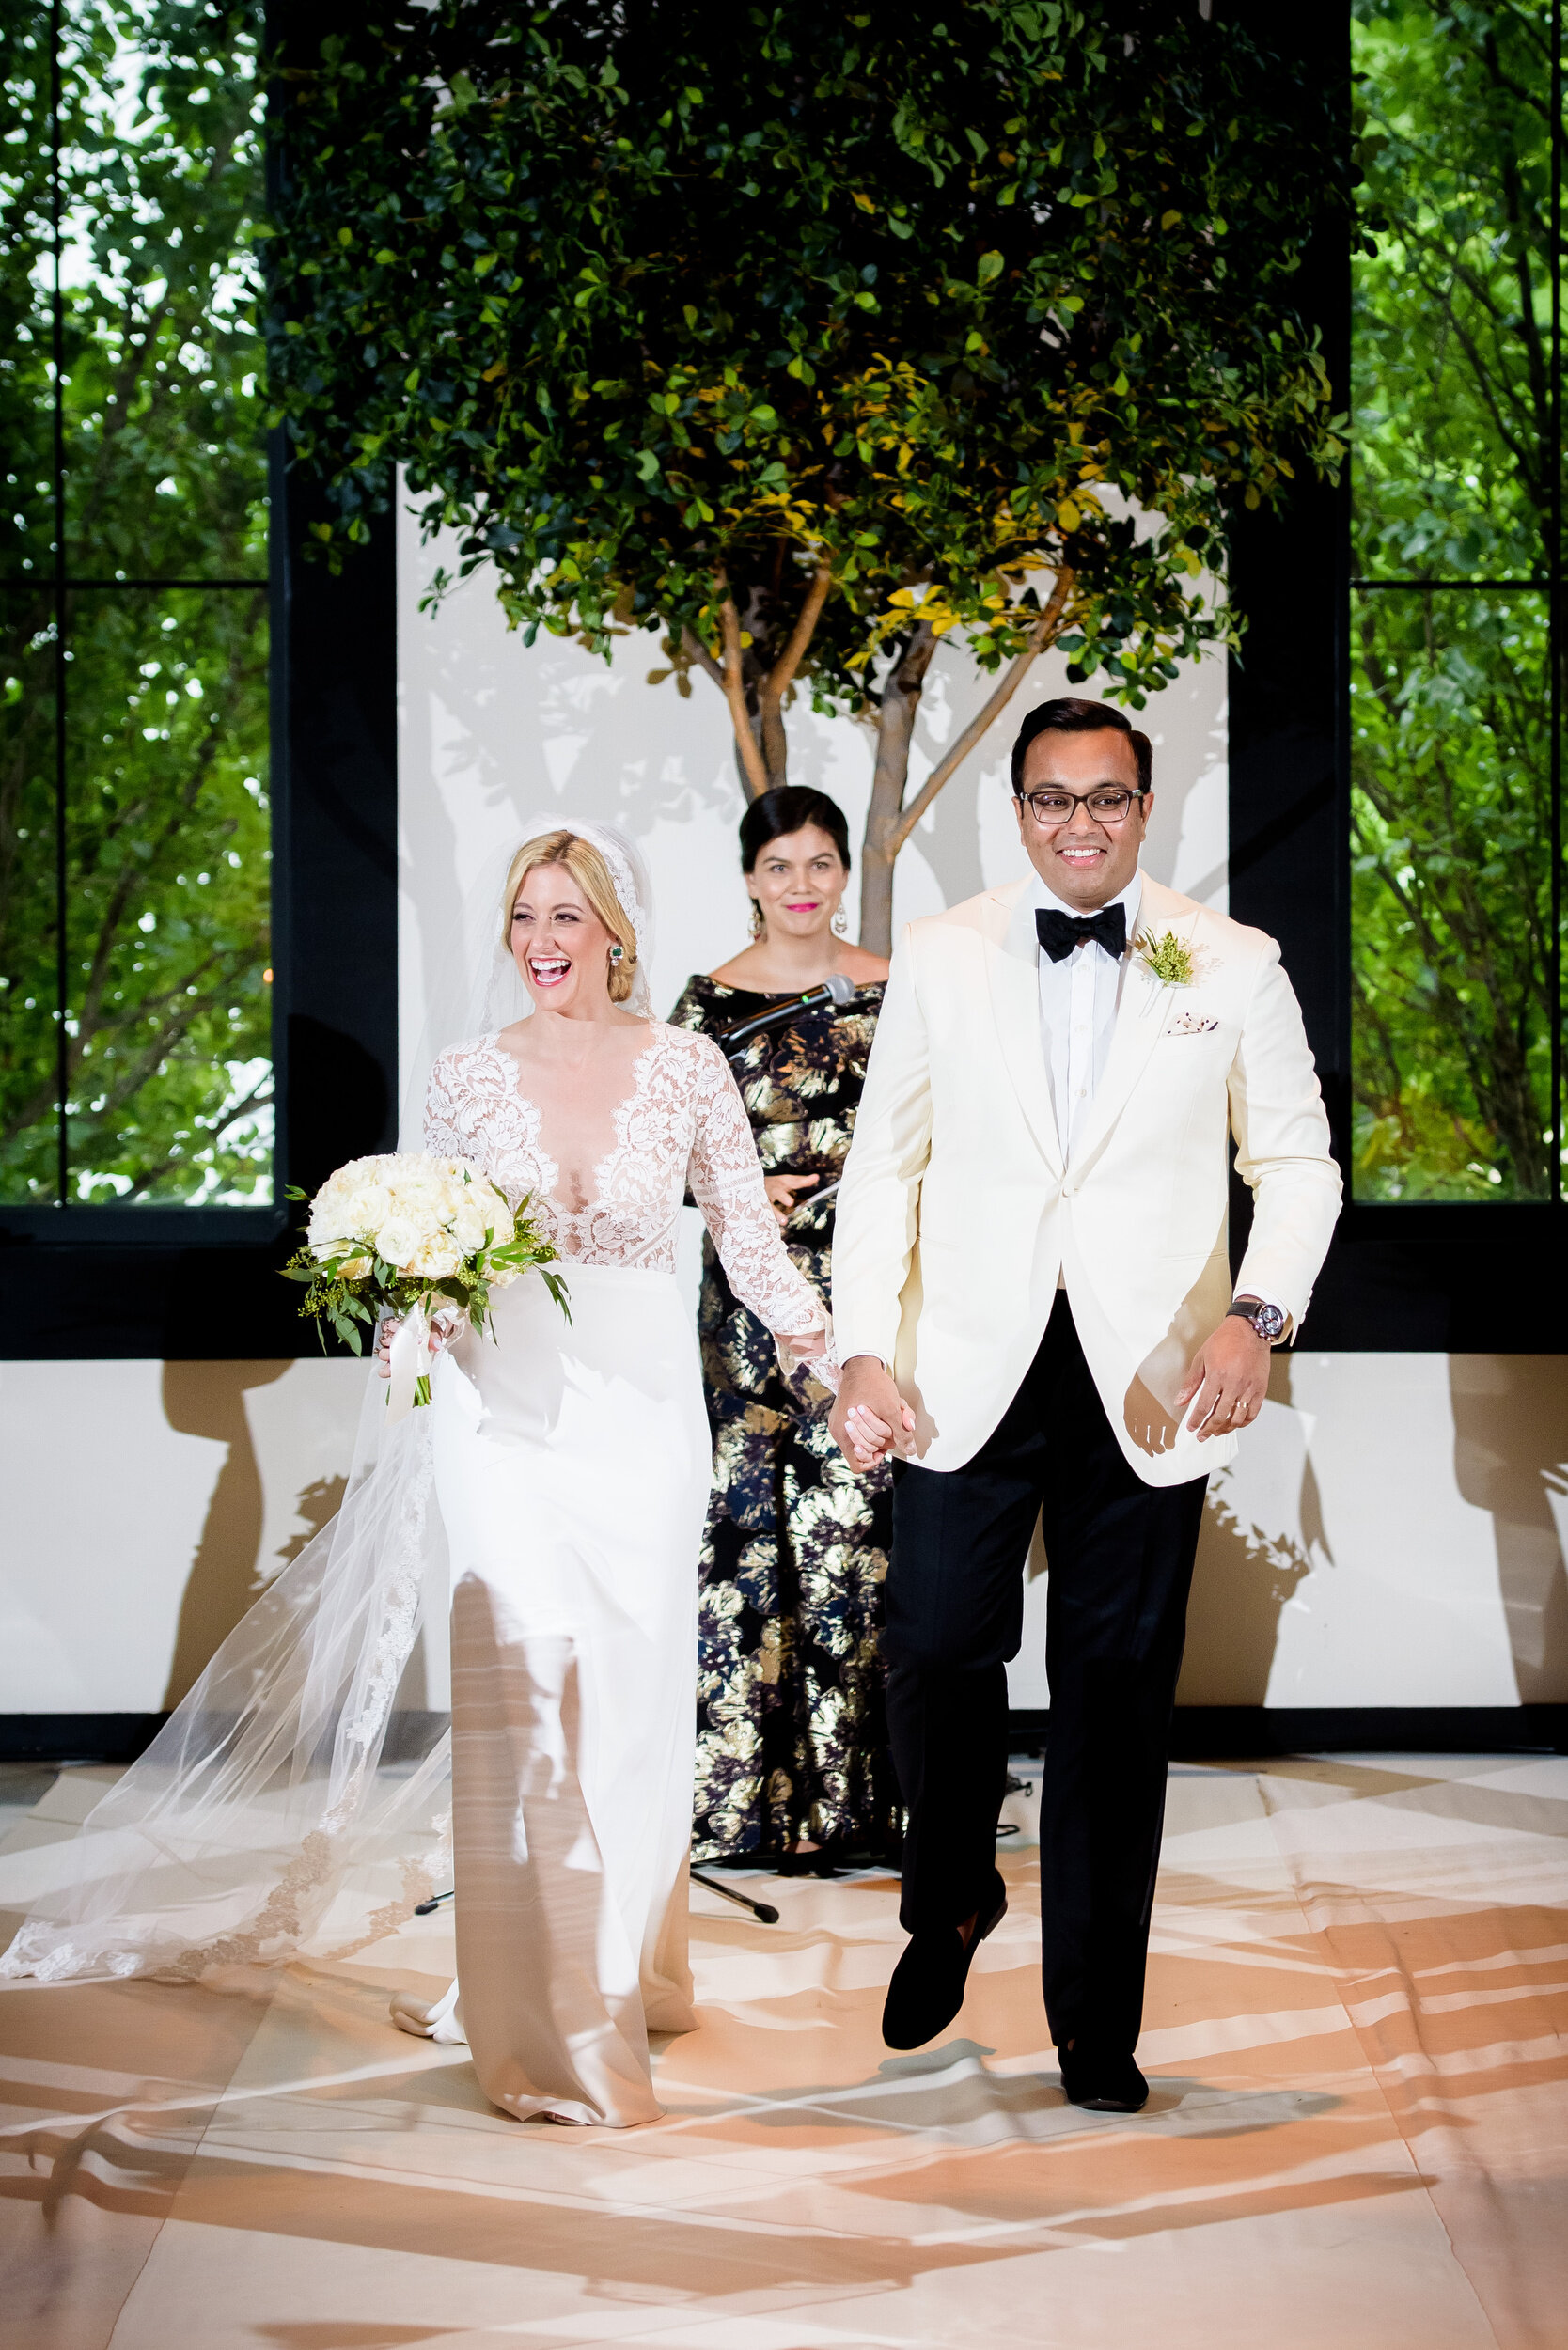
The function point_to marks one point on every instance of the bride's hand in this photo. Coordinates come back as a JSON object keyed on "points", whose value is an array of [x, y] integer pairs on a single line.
{"points": [[781, 1190], [447, 1326]]}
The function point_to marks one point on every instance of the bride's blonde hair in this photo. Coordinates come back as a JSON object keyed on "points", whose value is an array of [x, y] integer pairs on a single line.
{"points": [[587, 869]]}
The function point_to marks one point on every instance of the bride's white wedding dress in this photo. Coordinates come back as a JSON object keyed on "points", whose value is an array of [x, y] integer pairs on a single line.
{"points": [[302, 1799], [573, 1464]]}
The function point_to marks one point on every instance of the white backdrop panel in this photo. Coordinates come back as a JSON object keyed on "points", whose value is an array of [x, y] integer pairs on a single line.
{"points": [[1390, 1535]]}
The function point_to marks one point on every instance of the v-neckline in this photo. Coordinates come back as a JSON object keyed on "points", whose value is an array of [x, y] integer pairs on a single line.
{"points": [[550, 1171]]}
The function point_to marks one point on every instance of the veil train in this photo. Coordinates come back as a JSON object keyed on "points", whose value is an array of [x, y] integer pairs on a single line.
{"points": [[297, 1801]]}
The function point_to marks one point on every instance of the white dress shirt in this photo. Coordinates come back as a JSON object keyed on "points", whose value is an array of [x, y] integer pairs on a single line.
{"points": [[1078, 1001]]}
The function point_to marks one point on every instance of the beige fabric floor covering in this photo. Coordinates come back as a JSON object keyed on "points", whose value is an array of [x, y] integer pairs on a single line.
{"points": [[1357, 2033]]}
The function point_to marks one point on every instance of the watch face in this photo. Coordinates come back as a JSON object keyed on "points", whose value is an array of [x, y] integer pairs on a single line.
{"points": [[1268, 1322]]}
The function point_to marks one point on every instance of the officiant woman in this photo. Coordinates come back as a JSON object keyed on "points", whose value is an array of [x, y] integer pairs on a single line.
{"points": [[792, 1747]]}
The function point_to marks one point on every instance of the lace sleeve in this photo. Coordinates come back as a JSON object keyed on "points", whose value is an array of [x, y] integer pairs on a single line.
{"points": [[726, 1181], [443, 1137]]}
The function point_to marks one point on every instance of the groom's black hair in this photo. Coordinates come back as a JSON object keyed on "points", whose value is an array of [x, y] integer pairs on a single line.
{"points": [[1068, 715]]}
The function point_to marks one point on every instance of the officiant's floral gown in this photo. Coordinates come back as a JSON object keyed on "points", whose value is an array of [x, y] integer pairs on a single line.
{"points": [[790, 1739]]}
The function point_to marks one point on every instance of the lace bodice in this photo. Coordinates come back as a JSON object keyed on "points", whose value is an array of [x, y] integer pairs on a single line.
{"points": [[683, 1127]]}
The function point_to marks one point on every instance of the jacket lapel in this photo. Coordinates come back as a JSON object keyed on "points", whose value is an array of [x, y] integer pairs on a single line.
{"points": [[1140, 1015], [1012, 964]]}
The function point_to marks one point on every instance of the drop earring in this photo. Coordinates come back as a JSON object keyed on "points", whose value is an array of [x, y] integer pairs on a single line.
{"points": [[757, 925], [840, 924], [617, 951]]}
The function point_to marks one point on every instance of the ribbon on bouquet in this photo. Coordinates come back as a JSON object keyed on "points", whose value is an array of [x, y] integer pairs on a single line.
{"points": [[409, 1365]]}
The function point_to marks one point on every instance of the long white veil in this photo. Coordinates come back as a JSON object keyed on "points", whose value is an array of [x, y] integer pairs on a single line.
{"points": [[297, 1801]]}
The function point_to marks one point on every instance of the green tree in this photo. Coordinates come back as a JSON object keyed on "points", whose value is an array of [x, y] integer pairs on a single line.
{"points": [[167, 1014], [1455, 458], [806, 347]]}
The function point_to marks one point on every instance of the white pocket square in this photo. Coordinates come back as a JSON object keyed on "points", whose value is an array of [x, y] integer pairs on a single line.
{"points": [[1189, 1025]]}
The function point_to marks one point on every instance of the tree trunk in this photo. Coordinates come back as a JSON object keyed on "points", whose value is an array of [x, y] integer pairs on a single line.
{"points": [[888, 823], [775, 751], [895, 732], [756, 708]]}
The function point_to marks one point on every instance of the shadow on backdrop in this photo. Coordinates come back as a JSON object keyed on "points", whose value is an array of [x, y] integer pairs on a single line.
{"points": [[1510, 1448], [209, 1400], [1242, 1580]]}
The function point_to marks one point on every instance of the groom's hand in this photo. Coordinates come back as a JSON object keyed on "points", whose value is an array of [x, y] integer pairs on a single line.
{"points": [[1229, 1379], [869, 1418]]}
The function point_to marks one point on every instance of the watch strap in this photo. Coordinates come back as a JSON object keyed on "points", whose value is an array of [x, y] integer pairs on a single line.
{"points": [[1255, 1311]]}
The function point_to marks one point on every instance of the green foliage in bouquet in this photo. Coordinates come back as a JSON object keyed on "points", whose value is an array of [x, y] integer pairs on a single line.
{"points": [[339, 1294], [403, 1232]]}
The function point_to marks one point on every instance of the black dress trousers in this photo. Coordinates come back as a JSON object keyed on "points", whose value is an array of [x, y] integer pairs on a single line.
{"points": [[1120, 1556]]}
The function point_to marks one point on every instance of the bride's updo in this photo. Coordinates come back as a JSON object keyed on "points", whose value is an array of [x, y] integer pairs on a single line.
{"points": [[587, 869]]}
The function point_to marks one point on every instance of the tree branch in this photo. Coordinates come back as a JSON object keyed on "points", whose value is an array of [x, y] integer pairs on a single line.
{"points": [[695, 649], [782, 675], [1043, 635], [734, 693]]}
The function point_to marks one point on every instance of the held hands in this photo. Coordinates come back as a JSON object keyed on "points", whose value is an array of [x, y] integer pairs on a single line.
{"points": [[1229, 1378], [781, 1190], [869, 1418]]}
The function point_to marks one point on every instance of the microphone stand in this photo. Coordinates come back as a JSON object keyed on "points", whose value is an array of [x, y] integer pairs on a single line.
{"points": [[764, 1912], [835, 989]]}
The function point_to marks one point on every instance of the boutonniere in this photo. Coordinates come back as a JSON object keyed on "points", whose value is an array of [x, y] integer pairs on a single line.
{"points": [[1168, 958]]}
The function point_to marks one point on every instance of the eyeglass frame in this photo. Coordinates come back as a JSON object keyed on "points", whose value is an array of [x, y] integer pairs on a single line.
{"points": [[1131, 792]]}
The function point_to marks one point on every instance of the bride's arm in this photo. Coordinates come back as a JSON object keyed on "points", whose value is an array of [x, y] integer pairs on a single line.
{"points": [[724, 1178]]}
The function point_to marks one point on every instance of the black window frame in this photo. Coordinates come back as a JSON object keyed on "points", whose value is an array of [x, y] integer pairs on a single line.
{"points": [[1422, 1277], [81, 1282]]}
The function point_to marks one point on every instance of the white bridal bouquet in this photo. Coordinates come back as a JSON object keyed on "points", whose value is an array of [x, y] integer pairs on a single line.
{"points": [[414, 1237]]}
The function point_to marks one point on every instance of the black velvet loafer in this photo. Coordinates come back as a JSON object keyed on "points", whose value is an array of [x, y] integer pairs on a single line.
{"points": [[929, 1980], [1100, 2083]]}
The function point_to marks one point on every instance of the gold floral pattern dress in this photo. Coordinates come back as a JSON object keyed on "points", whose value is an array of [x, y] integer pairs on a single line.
{"points": [[790, 1739]]}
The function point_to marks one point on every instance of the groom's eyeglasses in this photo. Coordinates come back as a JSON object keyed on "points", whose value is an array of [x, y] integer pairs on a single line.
{"points": [[1056, 808]]}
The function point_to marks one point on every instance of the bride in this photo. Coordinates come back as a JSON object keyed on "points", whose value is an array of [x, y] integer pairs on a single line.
{"points": [[570, 1462]]}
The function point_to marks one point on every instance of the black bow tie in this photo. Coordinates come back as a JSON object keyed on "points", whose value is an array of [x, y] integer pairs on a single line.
{"points": [[1058, 933]]}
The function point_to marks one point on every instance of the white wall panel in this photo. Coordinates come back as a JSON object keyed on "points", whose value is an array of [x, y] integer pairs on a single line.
{"points": [[145, 1504], [1391, 1534]]}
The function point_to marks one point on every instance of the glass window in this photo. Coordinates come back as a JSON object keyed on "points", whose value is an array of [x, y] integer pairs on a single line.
{"points": [[1455, 636], [136, 1023]]}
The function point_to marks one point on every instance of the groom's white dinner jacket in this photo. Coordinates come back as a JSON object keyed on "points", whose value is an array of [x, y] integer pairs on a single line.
{"points": [[960, 1213]]}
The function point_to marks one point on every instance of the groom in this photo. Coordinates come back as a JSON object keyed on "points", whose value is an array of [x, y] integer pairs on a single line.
{"points": [[1033, 1302]]}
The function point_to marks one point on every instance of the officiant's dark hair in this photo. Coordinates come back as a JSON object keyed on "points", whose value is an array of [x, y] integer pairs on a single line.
{"points": [[1068, 715], [789, 808]]}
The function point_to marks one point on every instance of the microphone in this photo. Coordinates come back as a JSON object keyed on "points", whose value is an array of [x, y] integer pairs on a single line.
{"points": [[835, 989]]}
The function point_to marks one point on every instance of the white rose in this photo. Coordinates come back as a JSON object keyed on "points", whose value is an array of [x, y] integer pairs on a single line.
{"points": [[330, 1218], [497, 1213], [397, 1241], [468, 1227], [434, 1258], [372, 1203]]}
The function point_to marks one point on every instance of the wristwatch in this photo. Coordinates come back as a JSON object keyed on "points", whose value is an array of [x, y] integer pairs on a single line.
{"points": [[1267, 1321]]}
